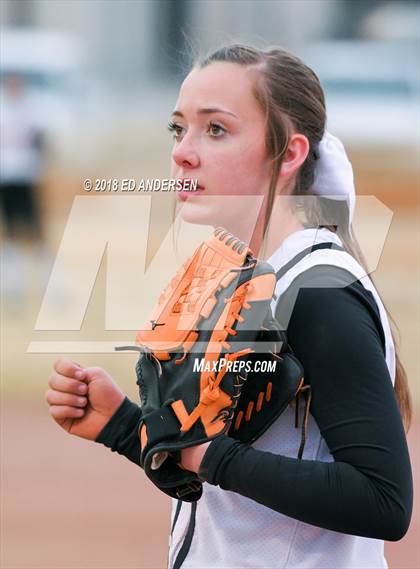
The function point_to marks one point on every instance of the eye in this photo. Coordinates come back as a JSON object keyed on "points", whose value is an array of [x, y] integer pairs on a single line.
{"points": [[175, 129], [215, 130]]}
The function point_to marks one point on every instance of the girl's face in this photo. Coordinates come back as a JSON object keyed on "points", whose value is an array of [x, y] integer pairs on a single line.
{"points": [[219, 132]]}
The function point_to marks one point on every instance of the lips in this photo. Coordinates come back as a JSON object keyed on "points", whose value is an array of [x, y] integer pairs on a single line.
{"points": [[188, 192], [188, 183]]}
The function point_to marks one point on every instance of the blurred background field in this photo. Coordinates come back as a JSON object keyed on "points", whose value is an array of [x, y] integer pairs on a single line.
{"points": [[97, 80]]}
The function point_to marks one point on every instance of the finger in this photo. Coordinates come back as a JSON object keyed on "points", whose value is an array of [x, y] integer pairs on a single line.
{"points": [[69, 368], [66, 412], [67, 385], [58, 398]]}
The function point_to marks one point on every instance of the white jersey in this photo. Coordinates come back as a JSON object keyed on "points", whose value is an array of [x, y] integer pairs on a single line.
{"points": [[235, 532]]}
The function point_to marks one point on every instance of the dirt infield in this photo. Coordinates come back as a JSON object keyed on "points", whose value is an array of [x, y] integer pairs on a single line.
{"points": [[68, 503]]}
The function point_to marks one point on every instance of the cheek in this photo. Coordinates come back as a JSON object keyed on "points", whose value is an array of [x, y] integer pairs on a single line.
{"points": [[242, 172]]}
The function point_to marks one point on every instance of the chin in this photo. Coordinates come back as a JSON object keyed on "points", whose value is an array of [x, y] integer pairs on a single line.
{"points": [[222, 211], [201, 211]]}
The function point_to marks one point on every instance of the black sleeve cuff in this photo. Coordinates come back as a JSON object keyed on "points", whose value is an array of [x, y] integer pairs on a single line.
{"points": [[120, 434], [218, 454]]}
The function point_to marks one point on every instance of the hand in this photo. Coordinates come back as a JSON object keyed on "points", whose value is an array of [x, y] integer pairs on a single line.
{"points": [[191, 457], [82, 400]]}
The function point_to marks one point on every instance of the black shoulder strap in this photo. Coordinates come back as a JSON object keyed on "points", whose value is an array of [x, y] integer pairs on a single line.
{"points": [[178, 509], [281, 272], [182, 554], [306, 389]]}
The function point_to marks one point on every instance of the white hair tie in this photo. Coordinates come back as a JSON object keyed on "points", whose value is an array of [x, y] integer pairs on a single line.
{"points": [[334, 173]]}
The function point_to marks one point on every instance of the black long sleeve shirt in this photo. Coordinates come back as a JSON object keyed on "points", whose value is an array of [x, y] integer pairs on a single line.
{"points": [[337, 335]]}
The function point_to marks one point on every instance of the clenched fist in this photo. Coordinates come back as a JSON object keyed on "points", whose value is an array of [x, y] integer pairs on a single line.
{"points": [[82, 400]]}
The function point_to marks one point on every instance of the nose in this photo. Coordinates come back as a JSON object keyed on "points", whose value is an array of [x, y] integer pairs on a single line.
{"points": [[185, 155]]}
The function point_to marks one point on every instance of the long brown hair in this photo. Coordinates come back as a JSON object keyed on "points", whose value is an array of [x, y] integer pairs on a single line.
{"points": [[291, 96]]}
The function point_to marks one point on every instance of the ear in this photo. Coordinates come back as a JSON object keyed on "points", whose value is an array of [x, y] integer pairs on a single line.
{"points": [[296, 153]]}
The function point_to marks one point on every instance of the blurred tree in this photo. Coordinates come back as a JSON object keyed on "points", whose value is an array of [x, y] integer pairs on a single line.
{"points": [[173, 25], [20, 13], [349, 22]]}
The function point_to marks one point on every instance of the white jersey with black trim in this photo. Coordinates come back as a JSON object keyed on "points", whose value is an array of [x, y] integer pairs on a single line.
{"points": [[234, 532]]}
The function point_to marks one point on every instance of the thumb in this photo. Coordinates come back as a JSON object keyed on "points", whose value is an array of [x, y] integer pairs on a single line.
{"points": [[91, 373], [79, 372]]}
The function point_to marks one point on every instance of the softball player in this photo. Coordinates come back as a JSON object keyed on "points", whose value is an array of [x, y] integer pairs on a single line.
{"points": [[250, 121]]}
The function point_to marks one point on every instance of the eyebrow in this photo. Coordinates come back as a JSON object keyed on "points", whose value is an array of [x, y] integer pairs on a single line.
{"points": [[206, 111]]}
